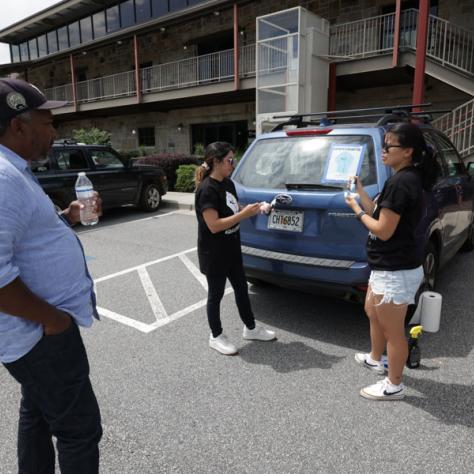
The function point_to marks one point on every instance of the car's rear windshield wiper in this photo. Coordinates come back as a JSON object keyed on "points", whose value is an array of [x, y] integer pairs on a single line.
{"points": [[313, 186]]}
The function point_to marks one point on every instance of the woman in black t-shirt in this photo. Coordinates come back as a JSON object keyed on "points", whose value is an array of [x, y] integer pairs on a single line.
{"points": [[220, 257], [396, 266]]}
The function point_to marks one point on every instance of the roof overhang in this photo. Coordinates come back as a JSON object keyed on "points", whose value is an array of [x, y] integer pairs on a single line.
{"points": [[68, 11]]}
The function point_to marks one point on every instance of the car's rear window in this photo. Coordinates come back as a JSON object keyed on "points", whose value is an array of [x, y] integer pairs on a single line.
{"points": [[277, 162]]}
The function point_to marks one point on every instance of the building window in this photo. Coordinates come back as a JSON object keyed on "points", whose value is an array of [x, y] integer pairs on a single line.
{"points": [[177, 5], [42, 46], [15, 53], [24, 51], [86, 29], [159, 7], [98, 21], [142, 10], [113, 18], [52, 42], [74, 34], [63, 38], [33, 47], [127, 14], [146, 136]]}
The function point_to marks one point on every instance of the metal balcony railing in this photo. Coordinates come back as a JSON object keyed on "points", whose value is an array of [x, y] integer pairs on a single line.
{"points": [[458, 125], [198, 70], [447, 43]]}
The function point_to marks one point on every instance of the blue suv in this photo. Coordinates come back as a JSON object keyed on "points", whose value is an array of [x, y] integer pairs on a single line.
{"points": [[311, 239]]}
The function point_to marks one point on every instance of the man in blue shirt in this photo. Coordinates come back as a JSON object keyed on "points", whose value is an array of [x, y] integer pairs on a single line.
{"points": [[46, 292]]}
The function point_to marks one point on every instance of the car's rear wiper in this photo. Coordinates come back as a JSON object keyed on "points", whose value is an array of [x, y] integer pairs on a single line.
{"points": [[313, 186]]}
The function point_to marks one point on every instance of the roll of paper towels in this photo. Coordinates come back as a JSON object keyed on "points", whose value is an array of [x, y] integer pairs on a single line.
{"points": [[428, 311]]}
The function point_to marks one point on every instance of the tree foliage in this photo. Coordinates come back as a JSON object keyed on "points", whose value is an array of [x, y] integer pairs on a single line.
{"points": [[92, 136]]}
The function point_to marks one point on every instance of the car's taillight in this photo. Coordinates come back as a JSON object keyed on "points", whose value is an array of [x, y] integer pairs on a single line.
{"points": [[304, 132]]}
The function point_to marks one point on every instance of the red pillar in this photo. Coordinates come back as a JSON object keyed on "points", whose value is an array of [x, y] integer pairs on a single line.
{"points": [[332, 87], [73, 82], [421, 37], [396, 37], [236, 48], [137, 67]]}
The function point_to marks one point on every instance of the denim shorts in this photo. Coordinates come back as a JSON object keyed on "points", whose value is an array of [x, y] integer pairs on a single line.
{"points": [[398, 286]]}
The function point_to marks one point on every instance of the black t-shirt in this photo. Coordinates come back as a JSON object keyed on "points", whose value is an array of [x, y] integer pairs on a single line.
{"points": [[403, 194], [217, 252]]}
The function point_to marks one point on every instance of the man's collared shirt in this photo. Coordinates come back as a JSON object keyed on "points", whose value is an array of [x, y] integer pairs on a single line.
{"points": [[39, 248]]}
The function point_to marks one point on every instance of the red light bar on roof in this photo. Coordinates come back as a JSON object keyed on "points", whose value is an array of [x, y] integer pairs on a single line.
{"points": [[305, 132]]}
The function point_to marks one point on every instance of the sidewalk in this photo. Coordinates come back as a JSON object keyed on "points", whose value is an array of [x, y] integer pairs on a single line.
{"points": [[178, 200]]}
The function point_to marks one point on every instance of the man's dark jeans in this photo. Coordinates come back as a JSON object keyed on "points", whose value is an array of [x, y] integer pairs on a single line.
{"points": [[57, 400]]}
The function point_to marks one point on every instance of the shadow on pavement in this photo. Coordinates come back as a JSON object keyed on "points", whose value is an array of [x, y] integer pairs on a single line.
{"points": [[287, 357], [448, 402]]}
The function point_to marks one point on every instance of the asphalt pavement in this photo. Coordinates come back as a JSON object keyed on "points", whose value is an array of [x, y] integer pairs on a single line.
{"points": [[172, 405]]}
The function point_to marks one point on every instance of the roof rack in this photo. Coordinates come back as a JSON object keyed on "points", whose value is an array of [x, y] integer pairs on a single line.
{"points": [[386, 115], [65, 141]]}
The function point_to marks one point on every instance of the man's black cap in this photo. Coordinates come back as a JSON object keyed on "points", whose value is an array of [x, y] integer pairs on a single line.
{"points": [[17, 96]]}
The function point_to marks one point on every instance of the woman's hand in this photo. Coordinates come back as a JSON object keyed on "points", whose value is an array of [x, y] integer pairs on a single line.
{"points": [[352, 203], [250, 210]]}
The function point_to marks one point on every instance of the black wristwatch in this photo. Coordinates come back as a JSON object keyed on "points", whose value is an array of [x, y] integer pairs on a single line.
{"points": [[360, 214]]}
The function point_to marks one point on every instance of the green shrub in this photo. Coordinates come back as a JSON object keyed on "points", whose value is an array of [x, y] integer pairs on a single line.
{"points": [[92, 136], [169, 163], [185, 178]]}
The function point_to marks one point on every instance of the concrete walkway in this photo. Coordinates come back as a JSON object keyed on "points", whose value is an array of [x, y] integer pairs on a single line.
{"points": [[179, 200]]}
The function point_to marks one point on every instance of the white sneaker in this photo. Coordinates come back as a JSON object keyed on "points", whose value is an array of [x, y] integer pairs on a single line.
{"points": [[259, 333], [222, 344], [384, 390], [363, 359]]}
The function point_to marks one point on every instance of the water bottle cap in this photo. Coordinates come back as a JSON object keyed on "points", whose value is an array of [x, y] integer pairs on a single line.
{"points": [[81, 173]]}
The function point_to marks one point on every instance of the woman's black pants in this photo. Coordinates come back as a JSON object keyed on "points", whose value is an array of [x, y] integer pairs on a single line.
{"points": [[216, 284]]}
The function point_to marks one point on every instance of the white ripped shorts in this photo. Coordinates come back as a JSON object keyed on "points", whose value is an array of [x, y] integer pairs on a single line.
{"points": [[398, 286]]}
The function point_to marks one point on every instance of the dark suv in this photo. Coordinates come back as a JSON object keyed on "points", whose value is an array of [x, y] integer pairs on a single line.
{"points": [[118, 182]]}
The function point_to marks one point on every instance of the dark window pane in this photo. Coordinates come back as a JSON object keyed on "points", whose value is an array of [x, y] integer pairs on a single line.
{"points": [[195, 2], [15, 52], [74, 36], [159, 7], [146, 136], [113, 18], [177, 5], [99, 24], [52, 42], [24, 51], [86, 29], [33, 48], [42, 46], [142, 10], [63, 38], [127, 14]]}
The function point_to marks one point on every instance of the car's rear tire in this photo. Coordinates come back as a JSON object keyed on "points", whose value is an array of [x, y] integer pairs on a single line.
{"points": [[469, 244], [150, 198]]}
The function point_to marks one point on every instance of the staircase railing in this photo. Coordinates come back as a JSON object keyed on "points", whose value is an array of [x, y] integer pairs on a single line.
{"points": [[458, 125], [447, 43]]}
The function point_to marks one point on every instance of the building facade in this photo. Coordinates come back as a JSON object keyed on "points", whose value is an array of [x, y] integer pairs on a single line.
{"points": [[169, 74]]}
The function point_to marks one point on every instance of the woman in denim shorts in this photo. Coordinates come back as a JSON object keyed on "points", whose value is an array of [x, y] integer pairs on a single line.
{"points": [[396, 265]]}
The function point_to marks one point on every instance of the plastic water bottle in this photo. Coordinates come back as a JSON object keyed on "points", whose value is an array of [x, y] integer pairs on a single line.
{"points": [[351, 189], [85, 194]]}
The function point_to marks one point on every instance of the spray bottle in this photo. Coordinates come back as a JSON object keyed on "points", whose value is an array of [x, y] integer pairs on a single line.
{"points": [[414, 354]]}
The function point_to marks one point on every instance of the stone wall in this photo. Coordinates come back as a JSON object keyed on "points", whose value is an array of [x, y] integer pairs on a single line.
{"points": [[167, 136]]}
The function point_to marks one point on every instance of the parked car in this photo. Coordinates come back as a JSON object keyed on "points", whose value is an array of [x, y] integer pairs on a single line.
{"points": [[117, 181], [311, 239]]}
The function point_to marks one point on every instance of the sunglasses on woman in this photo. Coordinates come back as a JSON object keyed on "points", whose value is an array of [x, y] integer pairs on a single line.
{"points": [[230, 161], [386, 147]]}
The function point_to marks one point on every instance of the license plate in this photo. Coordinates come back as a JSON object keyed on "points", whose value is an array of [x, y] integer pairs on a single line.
{"points": [[286, 220]]}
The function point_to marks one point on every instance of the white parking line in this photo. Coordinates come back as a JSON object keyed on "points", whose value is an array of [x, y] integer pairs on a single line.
{"points": [[156, 305], [159, 311]]}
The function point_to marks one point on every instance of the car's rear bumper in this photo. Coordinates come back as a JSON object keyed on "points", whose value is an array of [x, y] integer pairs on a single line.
{"points": [[337, 277]]}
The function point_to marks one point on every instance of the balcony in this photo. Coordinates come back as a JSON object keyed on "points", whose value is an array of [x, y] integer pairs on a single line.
{"points": [[450, 50], [196, 71]]}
